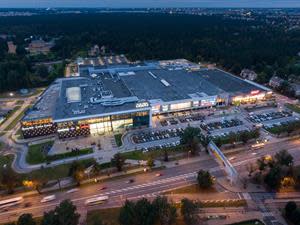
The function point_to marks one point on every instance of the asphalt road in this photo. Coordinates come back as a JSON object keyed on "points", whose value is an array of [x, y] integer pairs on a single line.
{"points": [[147, 184]]}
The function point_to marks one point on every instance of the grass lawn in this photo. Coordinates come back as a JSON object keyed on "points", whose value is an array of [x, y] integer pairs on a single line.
{"points": [[191, 189], [38, 153], [11, 112], [16, 120], [139, 155], [111, 217], [249, 222], [108, 216], [35, 153], [19, 102], [293, 107], [7, 159], [53, 173], [229, 203], [118, 139]]}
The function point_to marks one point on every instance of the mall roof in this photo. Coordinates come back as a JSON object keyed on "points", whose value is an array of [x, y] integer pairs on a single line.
{"points": [[113, 91]]}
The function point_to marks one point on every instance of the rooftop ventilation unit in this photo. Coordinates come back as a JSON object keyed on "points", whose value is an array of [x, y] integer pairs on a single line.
{"points": [[152, 75], [166, 83], [106, 94]]}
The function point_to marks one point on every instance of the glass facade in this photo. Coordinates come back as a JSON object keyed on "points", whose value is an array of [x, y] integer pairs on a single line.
{"points": [[180, 106]]}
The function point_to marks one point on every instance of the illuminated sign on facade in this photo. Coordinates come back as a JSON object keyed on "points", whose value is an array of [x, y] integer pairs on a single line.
{"points": [[142, 105], [255, 92]]}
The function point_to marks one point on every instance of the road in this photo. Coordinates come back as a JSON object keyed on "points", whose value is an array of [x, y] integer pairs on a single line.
{"points": [[147, 184]]}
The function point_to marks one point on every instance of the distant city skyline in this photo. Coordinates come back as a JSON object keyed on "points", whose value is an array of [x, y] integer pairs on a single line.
{"points": [[148, 3]]}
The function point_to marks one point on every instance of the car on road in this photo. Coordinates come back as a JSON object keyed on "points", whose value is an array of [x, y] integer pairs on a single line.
{"points": [[130, 181], [232, 158], [158, 175], [27, 204], [72, 190], [48, 198], [103, 188]]}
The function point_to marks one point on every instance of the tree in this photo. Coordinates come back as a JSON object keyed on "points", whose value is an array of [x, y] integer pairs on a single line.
{"points": [[42, 71], [127, 214], [188, 211], [194, 145], [164, 211], [144, 212], [166, 155], [190, 138], [118, 161], [244, 137], [284, 158], [150, 162], [204, 179], [50, 218], [205, 140], [273, 177], [26, 219], [139, 213], [261, 163], [289, 208], [9, 179], [97, 220], [295, 216], [77, 171], [64, 214]]}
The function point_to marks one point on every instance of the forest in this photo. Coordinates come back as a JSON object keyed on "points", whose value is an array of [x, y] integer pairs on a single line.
{"points": [[231, 44]]}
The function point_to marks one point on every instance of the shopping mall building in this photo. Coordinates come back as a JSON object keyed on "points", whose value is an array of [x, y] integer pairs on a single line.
{"points": [[112, 94]]}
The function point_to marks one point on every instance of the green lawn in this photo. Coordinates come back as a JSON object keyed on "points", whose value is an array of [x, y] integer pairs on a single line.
{"points": [[7, 159], [108, 216], [249, 222], [38, 154], [139, 155], [19, 102], [293, 107], [11, 112], [191, 189], [16, 120], [53, 173], [35, 153], [118, 139]]}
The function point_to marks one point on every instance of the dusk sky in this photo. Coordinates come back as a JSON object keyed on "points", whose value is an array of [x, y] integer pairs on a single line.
{"points": [[149, 3]]}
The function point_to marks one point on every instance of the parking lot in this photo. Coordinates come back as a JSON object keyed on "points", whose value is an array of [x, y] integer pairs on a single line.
{"points": [[149, 136], [221, 124], [267, 116], [280, 122], [226, 133], [183, 118]]}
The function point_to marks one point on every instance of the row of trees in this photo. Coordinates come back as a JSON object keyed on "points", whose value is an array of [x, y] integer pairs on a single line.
{"points": [[64, 214], [241, 136], [288, 128], [159, 211]]}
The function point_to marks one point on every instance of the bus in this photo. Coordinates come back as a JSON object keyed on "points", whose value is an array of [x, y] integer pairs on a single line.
{"points": [[96, 200], [11, 202], [257, 146], [48, 198]]}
